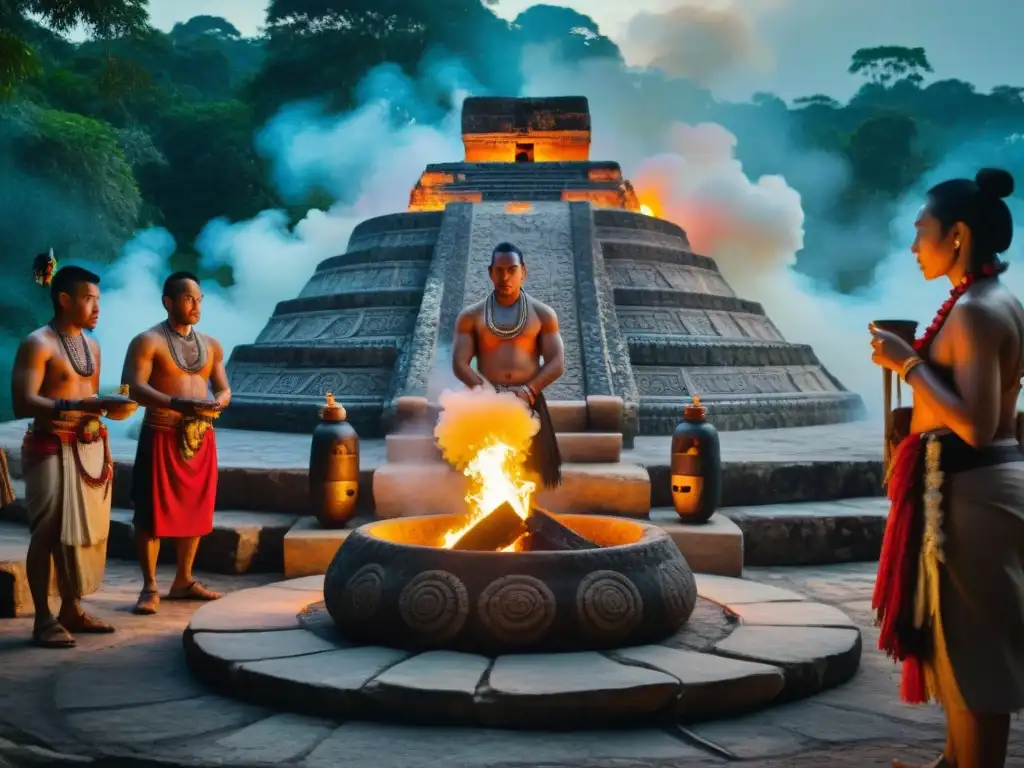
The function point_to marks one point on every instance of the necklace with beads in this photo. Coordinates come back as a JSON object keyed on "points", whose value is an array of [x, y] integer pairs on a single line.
{"points": [[77, 350], [921, 345], [503, 331], [192, 357]]}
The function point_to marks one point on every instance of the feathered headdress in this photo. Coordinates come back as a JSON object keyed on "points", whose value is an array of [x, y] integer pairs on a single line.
{"points": [[43, 268]]}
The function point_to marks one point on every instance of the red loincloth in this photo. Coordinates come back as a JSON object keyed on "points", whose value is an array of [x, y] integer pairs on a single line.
{"points": [[181, 492]]}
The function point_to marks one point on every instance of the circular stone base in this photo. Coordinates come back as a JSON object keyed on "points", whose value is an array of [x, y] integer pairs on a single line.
{"points": [[747, 646]]}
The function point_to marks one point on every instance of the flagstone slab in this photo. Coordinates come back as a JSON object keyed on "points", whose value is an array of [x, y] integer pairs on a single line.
{"points": [[763, 646], [253, 610], [790, 614], [728, 591], [710, 685], [571, 689], [812, 658], [434, 687]]}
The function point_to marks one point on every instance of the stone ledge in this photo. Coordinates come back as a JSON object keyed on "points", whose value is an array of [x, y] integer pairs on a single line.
{"points": [[812, 533], [241, 542], [250, 645]]}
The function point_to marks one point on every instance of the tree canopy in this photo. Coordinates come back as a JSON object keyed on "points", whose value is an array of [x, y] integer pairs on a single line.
{"points": [[135, 126]]}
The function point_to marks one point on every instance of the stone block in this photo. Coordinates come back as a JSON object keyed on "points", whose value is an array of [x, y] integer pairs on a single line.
{"points": [[309, 547], [604, 413], [568, 415], [404, 490], [714, 547], [240, 542], [600, 489]]}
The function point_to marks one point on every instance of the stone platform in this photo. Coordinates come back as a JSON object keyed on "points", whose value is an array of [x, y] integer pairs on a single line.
{"points": [[267, 472], [276, 646]]}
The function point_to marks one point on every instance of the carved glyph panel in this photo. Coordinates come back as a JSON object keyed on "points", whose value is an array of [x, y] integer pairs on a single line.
{"points": [[723, 383], [400, 239], [635, 236], [650, 274], [349, 384], [366, 277], [544, 234]]}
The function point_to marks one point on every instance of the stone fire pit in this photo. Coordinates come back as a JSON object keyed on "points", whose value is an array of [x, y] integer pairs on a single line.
{"points": [[391, 584]]}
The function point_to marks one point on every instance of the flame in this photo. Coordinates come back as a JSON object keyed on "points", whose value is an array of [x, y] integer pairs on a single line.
{"points": [[496, 476], [504, 427], [646, 210]]}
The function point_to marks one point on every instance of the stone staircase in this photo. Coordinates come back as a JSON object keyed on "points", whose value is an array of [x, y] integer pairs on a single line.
{"points": [[415, 480]]}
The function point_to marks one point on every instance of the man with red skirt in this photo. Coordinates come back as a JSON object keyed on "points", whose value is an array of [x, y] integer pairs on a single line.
{"points": [[171, 370]]}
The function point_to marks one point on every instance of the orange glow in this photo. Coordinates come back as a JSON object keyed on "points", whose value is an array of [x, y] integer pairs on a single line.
{"points": [[646, 210]]}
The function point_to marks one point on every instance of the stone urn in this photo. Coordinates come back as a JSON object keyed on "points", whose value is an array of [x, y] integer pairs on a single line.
{"points": [[333, 467], [696, 466]]}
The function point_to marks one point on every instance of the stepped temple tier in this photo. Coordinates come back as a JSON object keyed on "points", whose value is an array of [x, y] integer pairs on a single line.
{"points": [[644, 319]]}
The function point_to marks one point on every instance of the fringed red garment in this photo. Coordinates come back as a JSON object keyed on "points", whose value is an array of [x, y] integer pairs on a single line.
{"points": [[896, 583]]}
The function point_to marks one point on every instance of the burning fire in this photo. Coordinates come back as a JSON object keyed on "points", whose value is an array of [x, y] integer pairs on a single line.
{"points": [[646, 210], [495, 477], [486, 435]]}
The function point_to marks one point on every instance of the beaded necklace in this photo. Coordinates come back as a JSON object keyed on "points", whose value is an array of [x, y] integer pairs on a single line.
{"points": [[506, 331], [921, 345]]}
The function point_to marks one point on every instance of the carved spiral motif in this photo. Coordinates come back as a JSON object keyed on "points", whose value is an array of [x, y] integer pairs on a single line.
{"points": [[435, 605], [361, 596], [517, 608], [678, 590], [608, 603]]}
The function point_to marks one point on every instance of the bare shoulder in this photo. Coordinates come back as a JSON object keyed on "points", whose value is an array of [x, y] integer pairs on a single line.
{"points": [[981, 316], [211, 342], [468, 317], [146, 341], [544, 313], [39, 344]]}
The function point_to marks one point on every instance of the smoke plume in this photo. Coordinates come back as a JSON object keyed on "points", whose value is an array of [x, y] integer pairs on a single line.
{"points": [[473, 419], [695, 40]]}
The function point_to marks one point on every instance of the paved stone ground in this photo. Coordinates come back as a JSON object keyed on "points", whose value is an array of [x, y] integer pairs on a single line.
{"points": [[855, 441], [129, 694]]}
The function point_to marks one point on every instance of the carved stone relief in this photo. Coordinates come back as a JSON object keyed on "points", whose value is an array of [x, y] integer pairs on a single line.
{"points": [[366, 277]]}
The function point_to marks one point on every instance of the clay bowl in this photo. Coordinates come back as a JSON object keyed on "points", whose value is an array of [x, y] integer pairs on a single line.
{"points": [[390, 584]]}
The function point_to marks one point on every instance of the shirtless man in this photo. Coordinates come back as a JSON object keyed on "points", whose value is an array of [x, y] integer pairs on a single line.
{"points": [[65, 455], [171, 369], [510, 333]]}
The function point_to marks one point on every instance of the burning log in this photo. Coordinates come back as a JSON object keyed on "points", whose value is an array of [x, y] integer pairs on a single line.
{"points": [[495, 531], [546, 533]]}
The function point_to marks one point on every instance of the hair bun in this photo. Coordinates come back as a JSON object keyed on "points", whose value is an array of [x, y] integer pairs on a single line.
{"points": [[995, 182]]}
